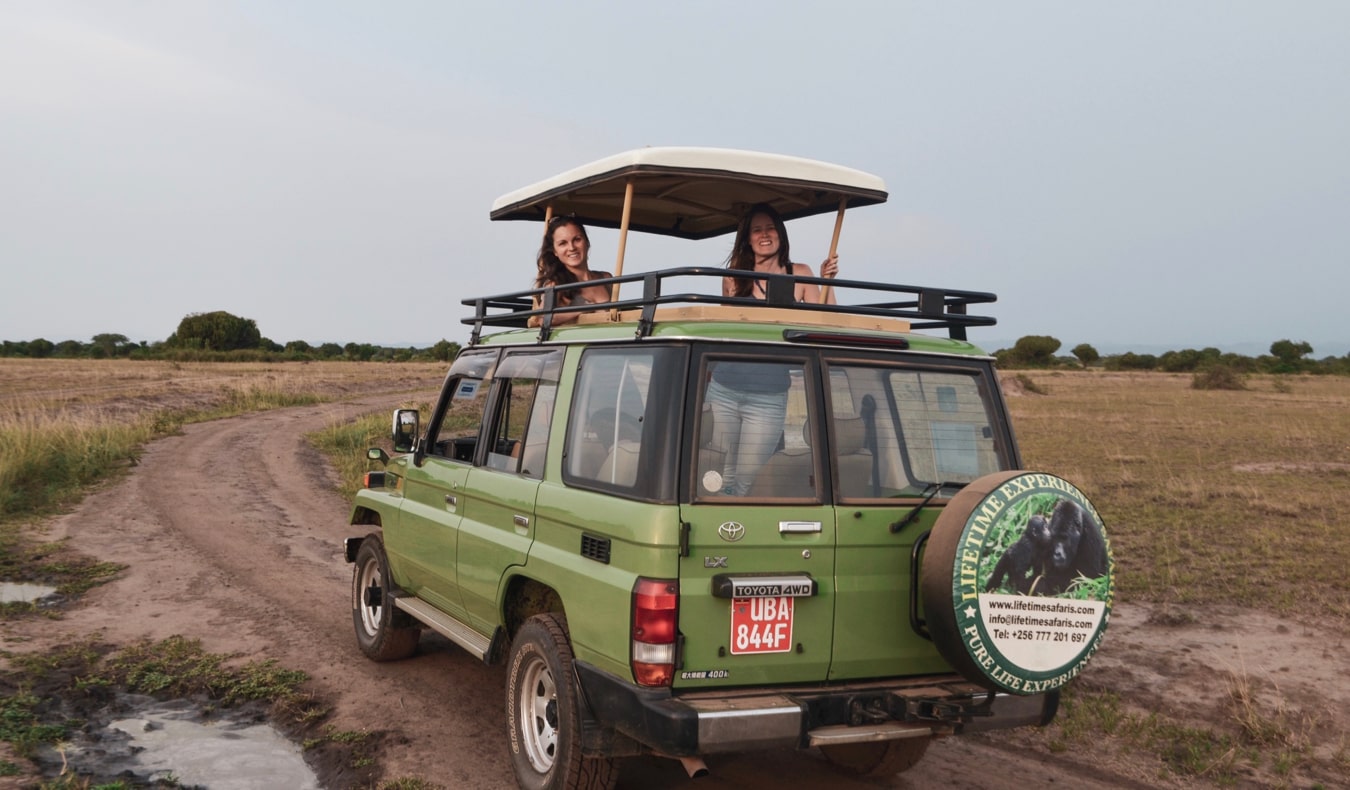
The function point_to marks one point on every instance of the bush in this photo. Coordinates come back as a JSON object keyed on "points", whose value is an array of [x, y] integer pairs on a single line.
{"points": [[1219, 377], [1031, 386]]}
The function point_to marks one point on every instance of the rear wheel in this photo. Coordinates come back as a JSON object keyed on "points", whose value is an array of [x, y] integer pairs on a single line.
{"points": [[879, 759], [543, 715], [382, 632]]}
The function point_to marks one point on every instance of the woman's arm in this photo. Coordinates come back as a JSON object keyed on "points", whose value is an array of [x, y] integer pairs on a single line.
{"points": [[558, 318], [810, 292]]}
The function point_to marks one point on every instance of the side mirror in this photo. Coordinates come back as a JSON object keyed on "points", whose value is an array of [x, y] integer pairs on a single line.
{"points": [[405, 430], [377, 454]]}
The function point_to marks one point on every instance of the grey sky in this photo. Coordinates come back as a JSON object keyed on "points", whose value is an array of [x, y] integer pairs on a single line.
{"points": [[1144, 175]]}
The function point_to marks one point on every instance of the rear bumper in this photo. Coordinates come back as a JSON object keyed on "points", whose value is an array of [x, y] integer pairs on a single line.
{"points": [[728, 720]]}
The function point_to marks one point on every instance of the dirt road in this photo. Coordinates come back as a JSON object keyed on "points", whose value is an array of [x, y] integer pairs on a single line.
{"points": [[232, 535]]}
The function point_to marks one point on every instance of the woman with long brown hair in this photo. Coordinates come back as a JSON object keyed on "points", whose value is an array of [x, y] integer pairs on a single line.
{"points": [[762, 246], [564, 259]]}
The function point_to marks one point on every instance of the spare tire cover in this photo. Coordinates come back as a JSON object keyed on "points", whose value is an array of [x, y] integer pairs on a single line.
{"points": [[1017, 582]]}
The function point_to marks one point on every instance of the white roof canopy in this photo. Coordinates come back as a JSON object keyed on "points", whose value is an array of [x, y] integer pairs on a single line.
{"points": [[692, 193]]}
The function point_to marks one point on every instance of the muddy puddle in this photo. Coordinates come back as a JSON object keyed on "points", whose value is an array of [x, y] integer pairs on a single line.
{"points": [[148, 741], [19, 592]]}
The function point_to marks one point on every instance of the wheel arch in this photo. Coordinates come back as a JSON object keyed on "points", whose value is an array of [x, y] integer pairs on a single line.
{"points": [[524, 597], [367, 516]]}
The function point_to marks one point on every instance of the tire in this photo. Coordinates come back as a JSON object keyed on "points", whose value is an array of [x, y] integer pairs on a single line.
{"points": [[543, 716], [954, 577], [381, 630], [877, 760]]}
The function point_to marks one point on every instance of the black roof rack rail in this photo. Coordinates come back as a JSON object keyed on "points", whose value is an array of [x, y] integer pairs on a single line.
{"points": [[928, 308]]}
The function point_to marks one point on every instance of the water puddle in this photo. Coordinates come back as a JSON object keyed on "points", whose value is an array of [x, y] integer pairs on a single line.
{"points": [[171, 741], [18, 592]]}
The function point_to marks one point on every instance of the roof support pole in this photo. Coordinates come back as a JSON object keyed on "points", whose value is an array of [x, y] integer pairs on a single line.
{"points": [[623, 243], [834, 244]]}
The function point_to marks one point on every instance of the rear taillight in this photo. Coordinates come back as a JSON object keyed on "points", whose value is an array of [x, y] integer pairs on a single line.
{"points": [[655, 606]]}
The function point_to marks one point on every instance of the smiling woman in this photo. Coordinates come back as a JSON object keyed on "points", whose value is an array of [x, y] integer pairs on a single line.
{"points": [[762, 246], [564, 259]]}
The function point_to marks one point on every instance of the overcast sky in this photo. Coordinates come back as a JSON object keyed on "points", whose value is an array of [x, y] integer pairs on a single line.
{"points": [[1141, 175]]}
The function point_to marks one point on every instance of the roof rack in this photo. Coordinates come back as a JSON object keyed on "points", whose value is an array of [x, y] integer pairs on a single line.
{"points": [[921, 307]]}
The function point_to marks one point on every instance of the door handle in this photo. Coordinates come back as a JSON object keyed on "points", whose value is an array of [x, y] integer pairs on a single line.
{"points": [[521, 521], [451, 500]]}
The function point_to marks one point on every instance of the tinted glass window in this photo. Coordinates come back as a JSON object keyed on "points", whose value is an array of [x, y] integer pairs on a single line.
{"points": [[621, 431], [752, 432], [893, 432], [456, 434], [527, 384]]}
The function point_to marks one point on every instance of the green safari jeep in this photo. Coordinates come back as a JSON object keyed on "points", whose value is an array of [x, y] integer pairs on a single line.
{"points": [[690, 523]]}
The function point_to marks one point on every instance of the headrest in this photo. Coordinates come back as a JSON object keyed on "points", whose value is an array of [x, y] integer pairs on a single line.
{"points": [[848, 435]]}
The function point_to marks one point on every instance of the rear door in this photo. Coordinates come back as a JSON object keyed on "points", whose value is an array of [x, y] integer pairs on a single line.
{"points": [[757, 591], [900, 430]]}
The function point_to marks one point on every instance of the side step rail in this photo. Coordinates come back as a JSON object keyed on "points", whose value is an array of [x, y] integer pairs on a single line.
{"points": [[446, 626]]}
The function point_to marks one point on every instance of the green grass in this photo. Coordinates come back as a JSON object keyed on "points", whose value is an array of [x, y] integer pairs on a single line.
{"points": [[1209, 496], [172, 668]]}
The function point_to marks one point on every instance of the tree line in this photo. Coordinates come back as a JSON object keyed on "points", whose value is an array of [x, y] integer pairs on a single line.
{"points": [[220, 336], [1286, 356]]}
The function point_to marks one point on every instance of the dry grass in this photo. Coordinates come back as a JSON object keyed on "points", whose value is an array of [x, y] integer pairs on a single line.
{"points": [[1210, 496], [113, 389], [65, 424]]}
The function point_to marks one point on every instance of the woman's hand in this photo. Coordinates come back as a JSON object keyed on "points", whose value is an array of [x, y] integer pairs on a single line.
{"points": [[830, 267]]}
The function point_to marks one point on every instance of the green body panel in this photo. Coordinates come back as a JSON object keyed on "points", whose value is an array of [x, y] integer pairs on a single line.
{"points": [[872, 633], [423, 547], [388, 503], [643, 541], [491, 540], [706, 621]]}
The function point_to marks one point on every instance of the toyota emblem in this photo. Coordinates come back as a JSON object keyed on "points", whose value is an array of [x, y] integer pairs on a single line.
{"points": [[731, 531]]}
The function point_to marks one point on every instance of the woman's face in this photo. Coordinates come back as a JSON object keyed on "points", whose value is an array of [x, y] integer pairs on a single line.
{"points": [[570, 245], [763, 236]]}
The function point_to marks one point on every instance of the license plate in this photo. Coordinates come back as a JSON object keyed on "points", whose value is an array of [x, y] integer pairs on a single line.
{"points": [[761, 625]]}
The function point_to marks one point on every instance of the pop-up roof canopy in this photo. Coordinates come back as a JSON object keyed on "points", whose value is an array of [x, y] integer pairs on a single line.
{"points": [[692, 193]]}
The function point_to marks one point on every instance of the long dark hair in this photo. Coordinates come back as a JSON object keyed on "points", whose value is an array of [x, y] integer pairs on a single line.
{"points": [[743, 258], [553, 271]]}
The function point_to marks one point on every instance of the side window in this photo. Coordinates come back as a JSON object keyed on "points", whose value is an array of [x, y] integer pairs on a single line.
{"points": [[894, 432], [753, 435], [527, 383], [455, 435], [622, 426]]}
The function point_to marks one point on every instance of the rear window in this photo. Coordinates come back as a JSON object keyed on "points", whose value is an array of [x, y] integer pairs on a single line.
{"points": [[895, 431]]}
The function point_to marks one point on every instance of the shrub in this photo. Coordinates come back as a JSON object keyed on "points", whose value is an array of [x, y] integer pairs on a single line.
{"points": [[1219, 377], [1031, 386]]}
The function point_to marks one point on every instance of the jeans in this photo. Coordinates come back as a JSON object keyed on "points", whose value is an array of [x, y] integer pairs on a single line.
{"points": [[747, 425]]}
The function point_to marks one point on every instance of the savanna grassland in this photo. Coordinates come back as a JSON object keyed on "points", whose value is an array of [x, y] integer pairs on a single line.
{"points": [[1211, 496], [1232, 498]]}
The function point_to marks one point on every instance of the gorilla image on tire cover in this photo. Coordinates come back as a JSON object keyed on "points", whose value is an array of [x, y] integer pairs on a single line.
{"points": [[1052, 551], [1023, 563], [1076, 548]]}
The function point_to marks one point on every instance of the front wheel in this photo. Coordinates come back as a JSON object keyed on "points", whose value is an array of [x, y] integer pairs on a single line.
{"points": [[542, 713], [877, 760], [381, 631]]}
